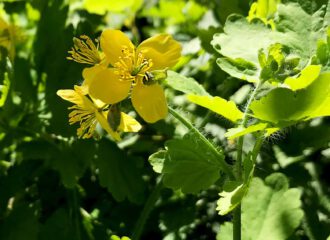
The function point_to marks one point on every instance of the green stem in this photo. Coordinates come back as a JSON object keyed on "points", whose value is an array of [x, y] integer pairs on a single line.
{"points": [[146, 210], [224, 166], [75, 211], [237, 225], [237, 233]]}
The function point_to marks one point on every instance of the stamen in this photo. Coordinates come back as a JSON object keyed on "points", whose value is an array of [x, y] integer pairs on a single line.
{"points": [[86, 119], [84, 51]]}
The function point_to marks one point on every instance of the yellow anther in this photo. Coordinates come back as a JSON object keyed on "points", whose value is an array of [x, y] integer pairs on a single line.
{"points": [[84, 51]]}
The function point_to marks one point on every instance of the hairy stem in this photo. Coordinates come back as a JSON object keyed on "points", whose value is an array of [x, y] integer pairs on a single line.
{"points": [[151, 201], [224, 166], [237, 225]]}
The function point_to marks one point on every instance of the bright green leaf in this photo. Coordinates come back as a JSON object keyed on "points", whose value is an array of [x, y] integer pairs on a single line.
{"points": [[184, 84], [306, 77], [263, 9], [283, 106], [230, 197], [227, 109], [239, 68], [275, 216], [233, 133], [226, 232], [276, 202], [190, 165], [114, 237], [157, 160], [295, 29], [102, 6], [233, 192]]}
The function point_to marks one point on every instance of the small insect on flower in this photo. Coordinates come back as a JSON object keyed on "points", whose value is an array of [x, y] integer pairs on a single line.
{"points": [[89, 112], [133, 70]]}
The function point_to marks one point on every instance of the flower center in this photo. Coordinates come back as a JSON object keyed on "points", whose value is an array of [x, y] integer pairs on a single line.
{"points": [[131, 65]]}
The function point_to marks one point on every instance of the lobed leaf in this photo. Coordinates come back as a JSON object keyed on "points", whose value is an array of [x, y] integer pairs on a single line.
{"points": [[277, 214], [184, 84], [227, 109], [190, 165], [283, 106]]}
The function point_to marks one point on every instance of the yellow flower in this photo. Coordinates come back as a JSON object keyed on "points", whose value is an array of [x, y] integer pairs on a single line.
{"points": [[89, 112], [9, 35], [131, 71]]}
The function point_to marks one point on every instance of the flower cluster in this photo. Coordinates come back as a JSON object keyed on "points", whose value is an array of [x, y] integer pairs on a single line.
{"points": [[119, 71]]}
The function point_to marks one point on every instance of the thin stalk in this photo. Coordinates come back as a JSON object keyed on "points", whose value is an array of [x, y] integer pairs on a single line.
{"points": [[237, 225], [151, 201], [224, 166]]}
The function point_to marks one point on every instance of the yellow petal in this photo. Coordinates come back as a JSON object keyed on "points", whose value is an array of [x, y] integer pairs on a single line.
{"points": [[129, 124], [162, 49], [113, 42], [149, 101], [89, 73], [102, 119], [70, 95], [107, 87]]}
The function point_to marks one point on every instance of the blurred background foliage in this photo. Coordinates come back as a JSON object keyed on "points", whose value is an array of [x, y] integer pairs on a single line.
{"points": [[55, 186]]}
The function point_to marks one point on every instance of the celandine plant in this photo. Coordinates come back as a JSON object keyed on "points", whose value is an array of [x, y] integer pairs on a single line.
{"points": [[284, 56]]}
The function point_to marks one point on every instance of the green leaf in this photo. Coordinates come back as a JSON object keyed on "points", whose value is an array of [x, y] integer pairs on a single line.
{"points": [[275, 216], [20, 224], [239, 68], [227, 109], [263, 9], [57, 226], [278, 210], [102, 6], [283, 106], [184, 84], [233, 133], [233, 191], [119, 173], [157, 160], [114, 237], [230, 197], [283, 159], [190, 165], [256, 36], [72, 161], [306, 77], [226, 232], [295, 29]]}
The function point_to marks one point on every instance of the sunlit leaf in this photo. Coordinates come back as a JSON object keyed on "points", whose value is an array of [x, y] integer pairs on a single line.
{"points": [[227, 109], [230, 197], [184, 84], [157, 160], [233, 133], [306, 77], [283, 106], [295, 29], [102, 6], [276, 202]]}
